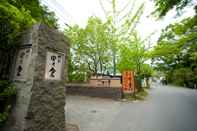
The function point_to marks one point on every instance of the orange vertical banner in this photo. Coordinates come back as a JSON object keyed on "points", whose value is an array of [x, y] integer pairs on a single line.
{"points": [[128, 81]]}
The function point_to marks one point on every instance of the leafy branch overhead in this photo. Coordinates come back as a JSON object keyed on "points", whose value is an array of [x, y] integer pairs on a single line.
{"points": [[164, 6], [17, 15], [176, 50]]}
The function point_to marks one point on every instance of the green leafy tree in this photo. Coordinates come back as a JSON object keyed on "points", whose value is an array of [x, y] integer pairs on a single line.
{"points": [[176, 51], [122, 21], [90, 51], [12, 21], [101, 45], [37, 11], [133, 56], [164, 6], [15, 17]]}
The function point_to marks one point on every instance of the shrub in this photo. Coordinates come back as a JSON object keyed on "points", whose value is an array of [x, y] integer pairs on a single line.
{"points": [[183, 76], [7, 91]]}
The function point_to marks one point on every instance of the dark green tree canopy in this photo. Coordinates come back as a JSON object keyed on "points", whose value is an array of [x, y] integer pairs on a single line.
{"points": [[176, 52], [15, 17], [163, 6]]}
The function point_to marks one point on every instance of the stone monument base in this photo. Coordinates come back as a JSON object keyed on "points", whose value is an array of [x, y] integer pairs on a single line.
{"points": [[40, 74]]}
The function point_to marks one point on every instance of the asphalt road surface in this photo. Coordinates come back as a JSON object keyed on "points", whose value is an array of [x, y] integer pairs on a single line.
{"points": [[165, 109]]}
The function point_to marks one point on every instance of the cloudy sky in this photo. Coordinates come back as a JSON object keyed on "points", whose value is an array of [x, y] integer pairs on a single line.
{"points": [[78, 11]]}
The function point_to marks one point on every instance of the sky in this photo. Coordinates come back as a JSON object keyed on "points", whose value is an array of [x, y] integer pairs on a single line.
{"points": [[78, 11]]}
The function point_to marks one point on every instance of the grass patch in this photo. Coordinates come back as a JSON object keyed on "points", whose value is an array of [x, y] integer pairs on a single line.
{"points": [[140, 95]]}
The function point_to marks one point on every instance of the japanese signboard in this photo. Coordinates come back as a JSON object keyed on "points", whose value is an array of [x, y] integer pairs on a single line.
{"points": [[53, 66], [128, 81], [22, 63]]}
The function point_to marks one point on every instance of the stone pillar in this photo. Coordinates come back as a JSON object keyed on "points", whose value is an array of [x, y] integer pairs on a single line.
{"points": [[40, 74]]}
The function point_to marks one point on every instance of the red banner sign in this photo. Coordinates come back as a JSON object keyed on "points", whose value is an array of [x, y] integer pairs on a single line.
{"points": [[128, 81]]}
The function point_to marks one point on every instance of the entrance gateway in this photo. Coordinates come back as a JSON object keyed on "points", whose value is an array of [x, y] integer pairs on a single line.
{"points": [[40, 73]]}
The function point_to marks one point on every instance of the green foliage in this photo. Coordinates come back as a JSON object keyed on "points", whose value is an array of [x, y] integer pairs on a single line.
{"points": [[122, 21], [176, 52], [12, 22], [7, 91], [182, 76], [90, 50], [103, 47], [77, 77], [140, 95], [131, 50], [163, 6], [133, 57], [147, 70], [125, 62], [39, 13], [3, 117], [17, 15], [77, 73]]}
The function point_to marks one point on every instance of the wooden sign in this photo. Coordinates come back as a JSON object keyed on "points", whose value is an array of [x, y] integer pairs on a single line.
{"points": [[54, 64], [22, 63], [128, 81]]}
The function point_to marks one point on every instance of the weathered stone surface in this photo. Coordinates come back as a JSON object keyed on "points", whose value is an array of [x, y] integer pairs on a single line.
{"points": [[40, 102]]}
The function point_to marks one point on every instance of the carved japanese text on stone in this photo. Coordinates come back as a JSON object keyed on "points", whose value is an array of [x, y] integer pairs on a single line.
{"points": [[53, 66], [22, 63]]}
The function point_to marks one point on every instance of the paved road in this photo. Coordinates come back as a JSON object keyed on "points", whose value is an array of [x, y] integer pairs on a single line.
{"points": [[166, 109]]}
